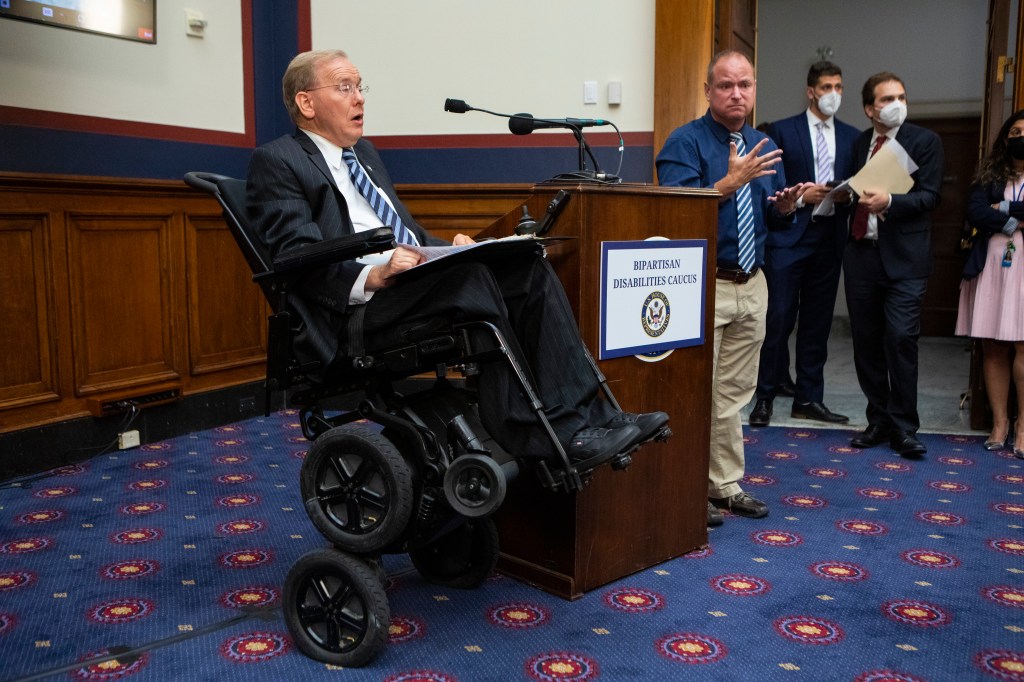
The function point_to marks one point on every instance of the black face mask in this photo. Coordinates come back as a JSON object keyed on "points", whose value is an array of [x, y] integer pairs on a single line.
{"points": [[1015, 145]]}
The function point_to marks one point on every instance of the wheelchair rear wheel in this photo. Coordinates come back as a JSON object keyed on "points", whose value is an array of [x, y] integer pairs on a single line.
{"points": [[336, 609], [358, 489], [462, 558]]}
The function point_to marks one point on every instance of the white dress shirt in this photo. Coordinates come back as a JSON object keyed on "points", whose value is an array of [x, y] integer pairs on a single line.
{"points": [[872, 228], [359, 211], [829, 131]]}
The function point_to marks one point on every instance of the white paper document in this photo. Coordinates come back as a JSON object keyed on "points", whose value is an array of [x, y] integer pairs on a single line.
{"points": [[503, 247], [826, 206], [888, 170]]}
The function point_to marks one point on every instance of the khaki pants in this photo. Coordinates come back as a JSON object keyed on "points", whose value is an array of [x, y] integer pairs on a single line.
{"points": [[740, 312]]}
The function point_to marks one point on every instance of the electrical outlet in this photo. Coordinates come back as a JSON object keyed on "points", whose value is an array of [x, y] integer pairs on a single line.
{"points": [[128, 439], [195, 23]]}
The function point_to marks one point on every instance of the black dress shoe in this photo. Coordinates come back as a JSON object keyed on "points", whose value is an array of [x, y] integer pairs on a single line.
{"points": [[817, 412], [787, 389], [872, 436], [742, 504], [715, 517], [907, 445], [761, 415], [592, 446], [648, 423]]}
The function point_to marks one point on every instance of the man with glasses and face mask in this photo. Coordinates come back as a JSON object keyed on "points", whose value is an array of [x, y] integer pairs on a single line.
{"points": [[326, 181], [886, 268], [802, 263]]}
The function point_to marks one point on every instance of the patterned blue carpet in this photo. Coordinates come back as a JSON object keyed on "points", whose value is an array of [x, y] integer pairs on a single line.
{"points": [[869, 568]]}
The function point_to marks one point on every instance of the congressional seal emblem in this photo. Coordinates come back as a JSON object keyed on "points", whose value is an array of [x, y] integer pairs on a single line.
{"points": [[655, 314]]}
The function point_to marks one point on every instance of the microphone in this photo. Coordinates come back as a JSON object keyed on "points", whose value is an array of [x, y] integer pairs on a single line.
{"points": [[457, 106], [524, 124]]}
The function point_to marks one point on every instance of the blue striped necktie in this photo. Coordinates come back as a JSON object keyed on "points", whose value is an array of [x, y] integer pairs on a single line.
{"points": [[824, 159], [744, 215], [377, 201]]}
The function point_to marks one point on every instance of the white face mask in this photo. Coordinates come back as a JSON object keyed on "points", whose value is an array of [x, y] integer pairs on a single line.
{"points": [[893, 114], [828, 103]]}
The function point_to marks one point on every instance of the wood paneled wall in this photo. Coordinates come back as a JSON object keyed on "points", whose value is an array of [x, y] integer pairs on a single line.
{"points": [[113, 287]]}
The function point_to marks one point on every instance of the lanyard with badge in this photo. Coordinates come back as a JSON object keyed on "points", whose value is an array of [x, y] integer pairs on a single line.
{"points": [[1010, 248]]}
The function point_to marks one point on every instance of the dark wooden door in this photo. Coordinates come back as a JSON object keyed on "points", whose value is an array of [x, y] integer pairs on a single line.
{"points": [[1004, 94], [960, 143]]}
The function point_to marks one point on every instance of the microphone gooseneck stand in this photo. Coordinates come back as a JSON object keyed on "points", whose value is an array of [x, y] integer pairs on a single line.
{"points": [[524, 124]]}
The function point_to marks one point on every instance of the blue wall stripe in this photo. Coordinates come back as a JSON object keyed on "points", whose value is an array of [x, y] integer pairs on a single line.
{"points": [[499, 165], [30, 149]]}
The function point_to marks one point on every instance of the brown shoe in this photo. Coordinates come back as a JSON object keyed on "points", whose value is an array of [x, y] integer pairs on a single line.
{"points": [[742, 504]]}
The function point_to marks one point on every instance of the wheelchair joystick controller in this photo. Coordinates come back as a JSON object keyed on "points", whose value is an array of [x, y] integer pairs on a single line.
{"points": [[526, 225]]}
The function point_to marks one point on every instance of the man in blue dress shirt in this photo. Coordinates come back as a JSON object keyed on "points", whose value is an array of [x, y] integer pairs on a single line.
{"points": [[722, 151]]}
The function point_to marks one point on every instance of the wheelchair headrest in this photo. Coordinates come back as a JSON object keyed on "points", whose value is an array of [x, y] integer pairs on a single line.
{"points": [[230, 194]]}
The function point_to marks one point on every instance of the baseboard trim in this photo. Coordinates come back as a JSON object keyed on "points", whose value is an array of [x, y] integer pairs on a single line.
{"points": [[38, 449]]}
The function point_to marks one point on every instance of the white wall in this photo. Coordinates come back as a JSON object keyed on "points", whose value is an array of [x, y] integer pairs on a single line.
{"points": [[532, 55], [936, 46], [180, 81], [509, 57]]}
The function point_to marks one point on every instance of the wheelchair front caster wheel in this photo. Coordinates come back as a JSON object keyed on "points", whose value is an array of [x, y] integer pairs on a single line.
{"points": [[462, 558], [474, 485], [358, 489], [336, 609]]}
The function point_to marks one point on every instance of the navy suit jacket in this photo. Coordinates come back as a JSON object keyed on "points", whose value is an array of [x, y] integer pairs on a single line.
{"points": [[905, 236], [793, 136], [987, 220], [292, 200]]}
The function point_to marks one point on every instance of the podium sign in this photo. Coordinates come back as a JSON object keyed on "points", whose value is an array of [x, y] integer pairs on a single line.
{"points": [[652, 296]]}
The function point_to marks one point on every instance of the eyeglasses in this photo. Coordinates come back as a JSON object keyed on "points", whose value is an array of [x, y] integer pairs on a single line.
{"points": [[346, 89]]}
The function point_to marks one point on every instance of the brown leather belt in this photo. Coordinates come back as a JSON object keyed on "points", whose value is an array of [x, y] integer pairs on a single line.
{"points": [[735, 276]]}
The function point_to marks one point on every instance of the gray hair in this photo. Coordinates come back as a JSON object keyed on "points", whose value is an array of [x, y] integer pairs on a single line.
{"points": [[301, 75]]}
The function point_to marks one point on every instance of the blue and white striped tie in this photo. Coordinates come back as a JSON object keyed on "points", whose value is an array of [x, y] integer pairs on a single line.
{"points": [[744, 215], [377, 201], [824, 159]]}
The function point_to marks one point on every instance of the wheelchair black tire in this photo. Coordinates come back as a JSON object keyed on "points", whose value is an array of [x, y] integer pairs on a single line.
{"points": [[336, 609], [358, 489], [463, 558], [474, 485]]}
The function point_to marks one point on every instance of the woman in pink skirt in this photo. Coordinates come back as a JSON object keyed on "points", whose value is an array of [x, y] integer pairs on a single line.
{"points": [[992, 293]]}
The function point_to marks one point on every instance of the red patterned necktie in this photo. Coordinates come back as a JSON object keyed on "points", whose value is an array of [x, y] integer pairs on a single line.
{"points": [[860, 216]]}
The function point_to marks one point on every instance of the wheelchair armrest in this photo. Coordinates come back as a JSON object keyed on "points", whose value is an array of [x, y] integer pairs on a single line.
{"points": [[330, 251]]}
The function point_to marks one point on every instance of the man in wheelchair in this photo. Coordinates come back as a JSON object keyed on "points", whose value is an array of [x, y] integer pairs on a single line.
{"points": [[326, 182]]}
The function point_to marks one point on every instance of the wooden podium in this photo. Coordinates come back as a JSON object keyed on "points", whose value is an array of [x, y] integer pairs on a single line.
{"points": [[623, 521]]}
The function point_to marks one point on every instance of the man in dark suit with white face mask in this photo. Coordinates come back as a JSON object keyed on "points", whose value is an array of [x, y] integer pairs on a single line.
{"points": [[886, 268], [802, 263]]}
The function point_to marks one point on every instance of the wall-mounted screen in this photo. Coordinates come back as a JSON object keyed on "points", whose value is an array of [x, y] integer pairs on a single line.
{"points": [[129, 19]]}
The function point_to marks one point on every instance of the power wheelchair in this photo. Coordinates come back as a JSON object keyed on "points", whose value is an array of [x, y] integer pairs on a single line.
{"points": [[423, 478]]}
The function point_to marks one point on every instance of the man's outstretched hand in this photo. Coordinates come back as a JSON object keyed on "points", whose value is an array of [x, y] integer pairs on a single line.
{"points": [[743, 169]]}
